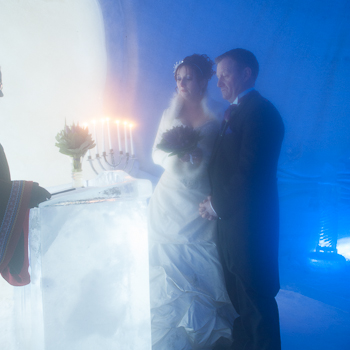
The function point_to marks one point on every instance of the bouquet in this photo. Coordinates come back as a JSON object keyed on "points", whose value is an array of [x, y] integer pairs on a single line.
{"points": [[74, 141], [179, 140]]}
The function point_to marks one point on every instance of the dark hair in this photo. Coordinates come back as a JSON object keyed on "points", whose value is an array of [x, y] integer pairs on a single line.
{"points": [[244, 58], [202, 65]]}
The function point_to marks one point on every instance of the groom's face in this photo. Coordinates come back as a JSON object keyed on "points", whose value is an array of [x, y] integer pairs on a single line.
{"points": [[231, 79]]}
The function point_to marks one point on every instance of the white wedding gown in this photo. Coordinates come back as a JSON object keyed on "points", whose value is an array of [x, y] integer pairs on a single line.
{"points": [[190, 308]]}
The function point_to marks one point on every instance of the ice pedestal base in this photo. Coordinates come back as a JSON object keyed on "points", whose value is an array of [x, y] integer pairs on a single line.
{"points": [[94, 268], [89, 272]]}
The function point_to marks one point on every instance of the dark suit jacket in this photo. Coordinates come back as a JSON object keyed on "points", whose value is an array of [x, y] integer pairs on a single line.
{"points": [[242, 172]]}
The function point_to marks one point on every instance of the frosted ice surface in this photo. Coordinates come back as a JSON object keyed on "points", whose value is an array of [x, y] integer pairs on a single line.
{"points": [[95, 284], [109, 185], [310, 324], [89, 268]]}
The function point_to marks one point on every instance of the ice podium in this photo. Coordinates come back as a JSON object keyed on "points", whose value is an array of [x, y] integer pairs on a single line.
{"points": [[89, 270]]}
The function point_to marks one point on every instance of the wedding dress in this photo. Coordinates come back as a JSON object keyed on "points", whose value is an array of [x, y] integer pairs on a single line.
{"points": [[190, 308]]}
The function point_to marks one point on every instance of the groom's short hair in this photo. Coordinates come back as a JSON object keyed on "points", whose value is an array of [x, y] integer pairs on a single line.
{"points": [[244, 58]]}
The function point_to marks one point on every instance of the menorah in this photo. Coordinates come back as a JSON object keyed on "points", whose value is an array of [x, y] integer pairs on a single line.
{"points": [[124, 162], [120, 160]]}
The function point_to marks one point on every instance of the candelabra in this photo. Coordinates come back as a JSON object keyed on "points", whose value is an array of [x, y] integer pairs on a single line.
{"points": [[124, 161]]}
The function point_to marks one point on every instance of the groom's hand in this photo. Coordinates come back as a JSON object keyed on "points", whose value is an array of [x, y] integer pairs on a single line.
{"points": [[206, 211]]}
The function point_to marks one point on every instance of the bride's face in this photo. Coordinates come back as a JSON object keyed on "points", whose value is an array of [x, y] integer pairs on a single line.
{"points": [[188, 85]]}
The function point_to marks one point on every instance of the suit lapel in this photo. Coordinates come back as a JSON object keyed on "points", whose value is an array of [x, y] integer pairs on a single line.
{"points": [[234, 115], [218, 141]]}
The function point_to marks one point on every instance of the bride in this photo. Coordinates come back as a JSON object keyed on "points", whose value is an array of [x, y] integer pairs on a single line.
{"points": [[190, 308]]}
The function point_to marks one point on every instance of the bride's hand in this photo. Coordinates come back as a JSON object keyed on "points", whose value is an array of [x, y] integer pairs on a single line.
{"points": [[185, 158], [195, 157]]}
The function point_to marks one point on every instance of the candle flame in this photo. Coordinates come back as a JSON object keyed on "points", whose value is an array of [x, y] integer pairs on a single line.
{"points": [[117, 121], [94, 121], [131, 125], [125, 123]]}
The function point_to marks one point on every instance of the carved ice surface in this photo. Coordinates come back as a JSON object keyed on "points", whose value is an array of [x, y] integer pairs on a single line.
{"points": [[108, 185], [89, 268], [95, 267]]}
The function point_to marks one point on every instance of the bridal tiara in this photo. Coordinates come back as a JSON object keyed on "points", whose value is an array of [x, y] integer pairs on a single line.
{"points": [[177, 64]]}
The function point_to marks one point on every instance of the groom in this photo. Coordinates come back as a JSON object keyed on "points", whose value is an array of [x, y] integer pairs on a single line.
{"points": [[244, 199]]}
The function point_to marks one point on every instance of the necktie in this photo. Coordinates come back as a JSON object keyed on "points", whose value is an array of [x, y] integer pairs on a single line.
{"points": [[227, 116], [229, 111]]}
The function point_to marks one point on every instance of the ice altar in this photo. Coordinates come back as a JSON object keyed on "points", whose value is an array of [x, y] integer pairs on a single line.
{"points": [[89, 269]]}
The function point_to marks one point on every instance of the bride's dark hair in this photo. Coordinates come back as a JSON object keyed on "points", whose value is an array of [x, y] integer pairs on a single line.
{"points": [[202, 65]]}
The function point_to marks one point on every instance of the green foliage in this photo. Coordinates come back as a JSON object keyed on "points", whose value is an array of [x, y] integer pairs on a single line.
{"points": [[74, 141]]}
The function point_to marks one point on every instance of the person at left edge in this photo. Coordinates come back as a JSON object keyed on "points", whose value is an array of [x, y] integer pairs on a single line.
{"points": [[16, 198]]}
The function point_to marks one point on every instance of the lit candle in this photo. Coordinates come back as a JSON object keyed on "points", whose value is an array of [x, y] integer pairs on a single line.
{"points": [[119, 141], [131, 141], [103, 136], [125, 138], [95, 135], [109, 135]]}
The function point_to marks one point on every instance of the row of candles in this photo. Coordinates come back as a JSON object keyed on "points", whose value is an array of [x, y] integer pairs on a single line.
{"points": [[106, 125]]}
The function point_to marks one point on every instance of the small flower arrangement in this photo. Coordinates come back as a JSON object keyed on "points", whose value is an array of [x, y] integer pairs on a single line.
{"points": [[179, 140], [74, 141]]}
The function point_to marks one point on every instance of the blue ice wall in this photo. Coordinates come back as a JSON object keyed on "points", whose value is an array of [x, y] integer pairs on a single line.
{"points": [[303, 47]]}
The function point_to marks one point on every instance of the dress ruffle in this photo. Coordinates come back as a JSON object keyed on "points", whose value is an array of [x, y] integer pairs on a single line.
{"points": [[190, 308]]}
